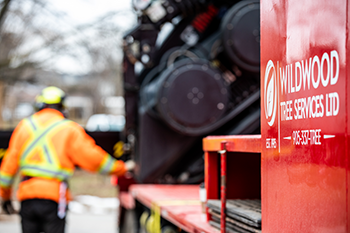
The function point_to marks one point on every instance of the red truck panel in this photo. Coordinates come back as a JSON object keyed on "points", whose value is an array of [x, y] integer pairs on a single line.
{"points": [[179, 204], [304, 115]]}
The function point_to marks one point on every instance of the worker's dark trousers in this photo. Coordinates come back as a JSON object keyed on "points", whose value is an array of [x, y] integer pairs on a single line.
{"points": [[41, 216]]}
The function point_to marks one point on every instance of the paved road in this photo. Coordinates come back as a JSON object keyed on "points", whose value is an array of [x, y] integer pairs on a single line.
{"points": [[76, 223], [87, 220], [10, 224]]}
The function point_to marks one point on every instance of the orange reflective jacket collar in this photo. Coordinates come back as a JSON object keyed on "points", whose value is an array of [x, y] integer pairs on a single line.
{"points": [[51, 111]]}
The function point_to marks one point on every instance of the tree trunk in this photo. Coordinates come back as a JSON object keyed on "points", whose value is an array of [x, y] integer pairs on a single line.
{"points": [[2, 94], [3, 11]]}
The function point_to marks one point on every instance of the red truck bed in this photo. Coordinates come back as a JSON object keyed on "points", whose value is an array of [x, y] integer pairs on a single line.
{"points": [[178, 204]]}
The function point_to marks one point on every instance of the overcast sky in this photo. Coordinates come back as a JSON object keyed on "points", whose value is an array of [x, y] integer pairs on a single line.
{"points": [[84, 11], [77, 12]]}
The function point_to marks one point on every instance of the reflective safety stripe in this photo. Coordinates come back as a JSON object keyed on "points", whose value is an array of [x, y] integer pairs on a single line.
{"points": [[62, 202], [39, 158], [46, 173], [47, 154], [30, 119], [5, 180], [40, 135], [107, 165]]}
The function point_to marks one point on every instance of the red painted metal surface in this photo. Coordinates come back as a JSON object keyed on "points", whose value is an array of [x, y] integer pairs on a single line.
{"points": [[305, 115], [126, 200], [243, 173], [347, 142], [179, 204], [237, 143], [211, 177], [125, 181], [223, 187]]}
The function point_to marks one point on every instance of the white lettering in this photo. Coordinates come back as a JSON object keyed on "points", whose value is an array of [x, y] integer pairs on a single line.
{"points": [[335, 103], [321, 105], [306, 137], [296, 107], [289, 110], [311, 108], [324, 81], [325, 71], [332, 104], [286, 110], [312, 137], [315, 135], [288, 76], [334, 55], [306, 72], [317, 103], [283, 75], [317, 82], [271, 143], [328, 106], [307, 107], [291, 79], [283, 111], [312, 112], [297, 86]]}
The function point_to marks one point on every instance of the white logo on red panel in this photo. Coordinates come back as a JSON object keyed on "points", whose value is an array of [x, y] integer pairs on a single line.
{"points": [[270, 93]]}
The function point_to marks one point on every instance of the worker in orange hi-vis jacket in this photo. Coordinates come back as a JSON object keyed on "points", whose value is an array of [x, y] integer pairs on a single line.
{"points": [[45, 148]]}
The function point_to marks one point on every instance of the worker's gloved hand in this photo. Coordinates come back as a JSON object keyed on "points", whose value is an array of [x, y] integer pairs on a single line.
{"points": [[130, 165], [7, 207]]}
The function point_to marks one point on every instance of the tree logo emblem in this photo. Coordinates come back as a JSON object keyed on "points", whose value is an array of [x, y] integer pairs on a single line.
{"points": [[270, 94]]}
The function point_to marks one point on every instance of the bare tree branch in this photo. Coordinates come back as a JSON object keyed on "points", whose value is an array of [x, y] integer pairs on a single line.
{"points": [[4, 8]]}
